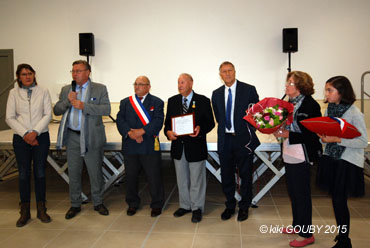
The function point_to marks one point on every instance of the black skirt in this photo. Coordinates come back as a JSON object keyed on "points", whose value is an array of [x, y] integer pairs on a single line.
{"points": [[340, 176]]}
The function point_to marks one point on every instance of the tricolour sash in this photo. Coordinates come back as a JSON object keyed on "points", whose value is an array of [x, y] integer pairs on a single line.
{"points": [[140, 110], [143, 116]]}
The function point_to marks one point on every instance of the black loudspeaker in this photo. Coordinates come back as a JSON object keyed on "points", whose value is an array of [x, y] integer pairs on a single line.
{"points": [[87, 44], [290, 40]]}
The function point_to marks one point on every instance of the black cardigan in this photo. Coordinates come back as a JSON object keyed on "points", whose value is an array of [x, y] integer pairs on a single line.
{"points": [[309, 140]]}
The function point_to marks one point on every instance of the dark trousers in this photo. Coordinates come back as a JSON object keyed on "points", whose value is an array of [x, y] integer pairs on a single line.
{"points": [[339, 198], [151, 164], [341, 213], [299, 189], [26, 154], [232, 157]]}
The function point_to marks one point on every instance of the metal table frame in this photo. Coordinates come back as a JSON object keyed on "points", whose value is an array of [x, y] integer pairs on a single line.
{"points": [[266, 152]]}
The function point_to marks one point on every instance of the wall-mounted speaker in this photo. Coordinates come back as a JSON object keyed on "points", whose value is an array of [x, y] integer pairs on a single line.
{"points": [[290, 40], [87, 44]]}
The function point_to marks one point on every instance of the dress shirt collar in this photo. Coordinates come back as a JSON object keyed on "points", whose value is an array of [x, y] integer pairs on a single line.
{"points": [[188, 97], [232, 87], [142, 100], [84, 86]]}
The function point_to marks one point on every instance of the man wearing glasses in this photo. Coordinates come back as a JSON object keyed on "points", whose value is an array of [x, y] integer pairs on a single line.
{"points": [[81, 130], [139, 120]]}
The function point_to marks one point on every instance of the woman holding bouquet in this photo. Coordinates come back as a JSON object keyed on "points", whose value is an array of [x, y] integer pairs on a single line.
{"points": [[301, 148], [340, 169]]}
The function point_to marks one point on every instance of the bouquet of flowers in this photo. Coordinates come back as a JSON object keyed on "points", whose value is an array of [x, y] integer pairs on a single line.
{"points": [[269, 114]]}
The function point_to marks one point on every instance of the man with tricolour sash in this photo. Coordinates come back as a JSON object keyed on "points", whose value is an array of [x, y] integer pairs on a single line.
{"points": [[139, 121]]}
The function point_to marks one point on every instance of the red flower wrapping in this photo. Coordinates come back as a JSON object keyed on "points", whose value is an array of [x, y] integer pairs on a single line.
{"points": [[259, 108]]}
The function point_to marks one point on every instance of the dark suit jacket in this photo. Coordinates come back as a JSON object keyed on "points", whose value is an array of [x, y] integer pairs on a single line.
{"points": [[195, 147], [245, 94], [310, 141], [127, 119]]}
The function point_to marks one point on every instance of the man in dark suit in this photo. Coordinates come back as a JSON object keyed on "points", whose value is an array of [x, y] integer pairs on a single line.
{"points": [[189, 152], [236, 139], [81, 130], [139, 120]]}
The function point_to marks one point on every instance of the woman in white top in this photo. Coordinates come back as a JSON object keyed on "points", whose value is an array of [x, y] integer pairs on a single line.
{"points": [[28, 113]]}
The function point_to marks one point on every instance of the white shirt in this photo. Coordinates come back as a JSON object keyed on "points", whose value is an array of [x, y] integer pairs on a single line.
{"points": [[233, 92]]}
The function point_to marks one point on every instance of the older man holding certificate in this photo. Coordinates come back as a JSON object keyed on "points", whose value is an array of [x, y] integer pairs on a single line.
{"points": [[188, 120]]}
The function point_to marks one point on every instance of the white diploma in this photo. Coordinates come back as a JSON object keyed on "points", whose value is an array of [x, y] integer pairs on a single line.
{"points": [[183, 124]]}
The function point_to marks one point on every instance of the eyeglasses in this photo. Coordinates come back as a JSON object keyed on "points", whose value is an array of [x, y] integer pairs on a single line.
{"points": [[139, 84], [26, 74], [77, 71], [289, 84]]}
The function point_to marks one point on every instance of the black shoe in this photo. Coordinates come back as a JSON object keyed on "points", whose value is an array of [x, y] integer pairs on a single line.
{"points": [[342, 242], [227, 213], [72, 212], [180, 212], [101, 209], [242, 215], [197, 216], [131, 211], [155, 212]]}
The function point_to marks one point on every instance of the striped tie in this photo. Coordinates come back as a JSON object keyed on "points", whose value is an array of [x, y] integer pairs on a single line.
{"points": [[185, 106]]}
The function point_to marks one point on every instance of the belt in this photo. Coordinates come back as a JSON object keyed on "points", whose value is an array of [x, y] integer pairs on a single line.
{"points": [[75, 131]]}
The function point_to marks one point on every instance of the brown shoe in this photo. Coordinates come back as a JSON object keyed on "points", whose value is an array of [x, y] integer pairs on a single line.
{"points": [[25, 214], [41, 212]]}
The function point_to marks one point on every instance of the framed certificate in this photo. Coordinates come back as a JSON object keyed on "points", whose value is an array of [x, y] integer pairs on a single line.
{"points": [[183, 124]]}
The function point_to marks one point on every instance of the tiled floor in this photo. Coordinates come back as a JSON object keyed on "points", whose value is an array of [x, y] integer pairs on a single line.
{"points": [[89, 229]]}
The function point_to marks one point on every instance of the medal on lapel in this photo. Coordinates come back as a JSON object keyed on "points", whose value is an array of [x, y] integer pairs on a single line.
{"points": [[193, 106]]}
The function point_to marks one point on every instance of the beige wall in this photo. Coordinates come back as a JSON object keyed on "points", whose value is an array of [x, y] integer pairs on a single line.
{"points": [[163, 38]]}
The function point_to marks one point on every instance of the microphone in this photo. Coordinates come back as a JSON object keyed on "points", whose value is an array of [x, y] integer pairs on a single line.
{"points": [[74, 86]]}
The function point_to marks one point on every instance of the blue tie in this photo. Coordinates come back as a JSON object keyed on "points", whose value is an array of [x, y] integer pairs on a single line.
{"points": [[228, 110], [76, 118]]}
